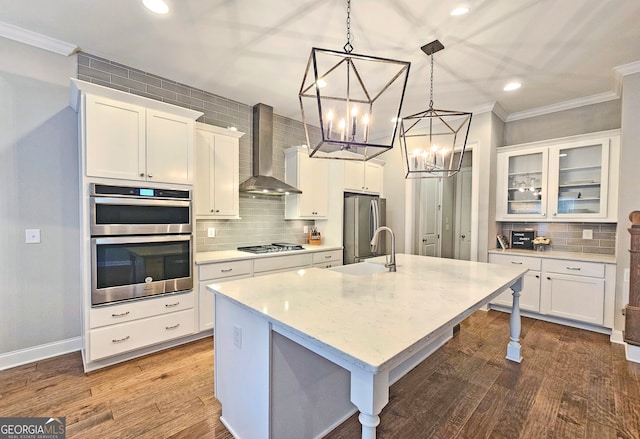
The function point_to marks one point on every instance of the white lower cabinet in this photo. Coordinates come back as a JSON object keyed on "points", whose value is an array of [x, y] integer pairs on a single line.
{"points": [[215, 273], [571, 290], [328, 259], [576, 296], [278, 264], [110, 340]]}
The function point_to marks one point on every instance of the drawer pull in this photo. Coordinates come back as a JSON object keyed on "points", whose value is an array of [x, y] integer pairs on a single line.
{"points": [[171, 305], [517, 263], [537, 276], [227, 270], [328, 257], [168, 328], [120, 340], [122, 314], [573, 268]]}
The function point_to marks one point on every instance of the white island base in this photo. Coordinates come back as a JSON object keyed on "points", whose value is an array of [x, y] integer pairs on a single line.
{"points": [[296, 354]]}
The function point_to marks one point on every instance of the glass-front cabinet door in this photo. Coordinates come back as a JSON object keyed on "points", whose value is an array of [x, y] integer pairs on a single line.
{"points": [[522, 192], [578, 180]]}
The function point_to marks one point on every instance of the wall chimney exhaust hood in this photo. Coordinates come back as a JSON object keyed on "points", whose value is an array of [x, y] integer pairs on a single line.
{"points": [[262, 181]]}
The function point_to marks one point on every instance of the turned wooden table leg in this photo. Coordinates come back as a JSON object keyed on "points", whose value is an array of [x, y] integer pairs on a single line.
{"points": [[513, 348], [369, 393]]}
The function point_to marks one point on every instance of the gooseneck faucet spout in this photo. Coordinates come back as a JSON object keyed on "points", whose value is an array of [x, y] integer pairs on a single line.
{"points": [[391, 265]]}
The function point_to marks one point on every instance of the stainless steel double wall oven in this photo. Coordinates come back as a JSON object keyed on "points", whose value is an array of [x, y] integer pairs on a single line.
{"points": [[141, 242]]}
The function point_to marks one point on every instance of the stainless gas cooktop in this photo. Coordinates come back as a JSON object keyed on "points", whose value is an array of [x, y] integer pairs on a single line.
{"points": [[271, 248]]}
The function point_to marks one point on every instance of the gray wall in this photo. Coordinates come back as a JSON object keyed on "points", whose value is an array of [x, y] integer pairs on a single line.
{"points": [[628, 198], [262, 216], [39, 189], [588, 119]]}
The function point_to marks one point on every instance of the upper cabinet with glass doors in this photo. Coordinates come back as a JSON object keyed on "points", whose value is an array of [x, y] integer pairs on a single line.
{"points": [[568, 179]]}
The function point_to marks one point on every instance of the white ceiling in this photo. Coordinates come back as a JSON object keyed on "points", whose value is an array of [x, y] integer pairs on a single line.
{"points": [[256, 50]]}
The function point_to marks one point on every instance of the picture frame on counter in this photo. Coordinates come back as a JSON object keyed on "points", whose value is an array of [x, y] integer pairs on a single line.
{"points": [[522, 239]]}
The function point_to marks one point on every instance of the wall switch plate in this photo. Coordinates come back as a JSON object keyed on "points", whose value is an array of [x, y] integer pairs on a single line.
{"points": [[305, 229], [587, 234], [32, 236], [237, 336], [211, 232]]}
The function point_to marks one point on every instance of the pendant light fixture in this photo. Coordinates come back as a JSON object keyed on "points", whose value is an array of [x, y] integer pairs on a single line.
{"points": [[433, 141], [351, 103]]}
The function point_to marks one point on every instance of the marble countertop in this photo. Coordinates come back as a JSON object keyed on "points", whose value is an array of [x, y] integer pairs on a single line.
{"points": [[233, 255], [372, 319], [551, 254]]}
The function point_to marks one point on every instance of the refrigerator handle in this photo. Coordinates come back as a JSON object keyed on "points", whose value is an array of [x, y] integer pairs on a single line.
{"points": [[374, 221]]}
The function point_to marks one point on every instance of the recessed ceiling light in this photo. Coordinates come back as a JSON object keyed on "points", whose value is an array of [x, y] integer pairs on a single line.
{"points": [[157, 6], [512, 86], [460, 11]]}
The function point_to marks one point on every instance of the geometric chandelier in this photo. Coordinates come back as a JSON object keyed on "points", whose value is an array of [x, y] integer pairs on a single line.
{"points": [[433, 141], [351, 103]]}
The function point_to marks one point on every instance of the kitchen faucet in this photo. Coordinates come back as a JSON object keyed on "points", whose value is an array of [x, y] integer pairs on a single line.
{"points": [[391, 265]]}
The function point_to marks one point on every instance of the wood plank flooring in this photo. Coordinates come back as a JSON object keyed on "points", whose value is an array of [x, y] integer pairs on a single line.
{"points": [[571, 384]]}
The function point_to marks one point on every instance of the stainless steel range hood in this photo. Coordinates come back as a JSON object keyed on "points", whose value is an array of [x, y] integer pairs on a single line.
{"points": [[263, 181]]}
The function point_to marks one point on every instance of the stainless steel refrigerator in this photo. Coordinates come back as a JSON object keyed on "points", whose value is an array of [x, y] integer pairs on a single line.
{"points": [[363, 214]]}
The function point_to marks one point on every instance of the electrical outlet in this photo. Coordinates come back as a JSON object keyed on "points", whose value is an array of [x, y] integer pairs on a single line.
{"points": [[587, 234], [237, 336], [32, 236], [211, 232], [305, 229]]}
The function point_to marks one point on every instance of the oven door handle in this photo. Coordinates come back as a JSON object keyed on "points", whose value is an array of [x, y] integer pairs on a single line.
{"points": [[139, 202], [139, 239]]}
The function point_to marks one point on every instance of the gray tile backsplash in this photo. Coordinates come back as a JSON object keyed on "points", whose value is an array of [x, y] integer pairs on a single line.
{"points": [[262, 216], [568, 236]]}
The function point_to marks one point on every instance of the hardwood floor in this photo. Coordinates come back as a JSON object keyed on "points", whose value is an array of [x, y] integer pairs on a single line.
{"points": [[571, 384]]}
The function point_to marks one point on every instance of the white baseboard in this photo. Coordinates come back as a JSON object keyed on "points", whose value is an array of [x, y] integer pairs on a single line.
{"points": [[616, 337], [632, 352], [36, 353]]}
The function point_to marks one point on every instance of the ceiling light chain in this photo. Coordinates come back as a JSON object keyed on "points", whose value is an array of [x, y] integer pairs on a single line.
{"points": [[431, 82], [348, 48]]}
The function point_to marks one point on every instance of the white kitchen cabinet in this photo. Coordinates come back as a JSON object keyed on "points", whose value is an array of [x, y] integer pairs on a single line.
{"points": [[568, 179], [129, 137], [127, 326], [327, 259], [217, 172], [215, 273], [530, 294], [277, 264], [364, 177], [572, 291], [311, 176]]}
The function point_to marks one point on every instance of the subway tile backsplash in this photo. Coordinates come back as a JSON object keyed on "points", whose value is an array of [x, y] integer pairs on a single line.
{"points": [[262, 216], [568, 236]]}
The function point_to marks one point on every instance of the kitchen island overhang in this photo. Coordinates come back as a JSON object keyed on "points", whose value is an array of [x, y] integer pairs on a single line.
{"points": [[298, 352]]}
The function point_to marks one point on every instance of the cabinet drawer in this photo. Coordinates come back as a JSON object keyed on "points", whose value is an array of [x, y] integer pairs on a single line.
{"points": [[221, 270], [578, 268], [116, 339], [126, 312], [531, 263], [282, 263], [328, 256]]}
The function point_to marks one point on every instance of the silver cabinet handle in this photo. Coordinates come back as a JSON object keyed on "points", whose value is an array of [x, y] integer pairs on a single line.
{"points": [[120, 340], [171, 305], [168, 328], [573, 268], [327, 257], [227, 270], [150, 176], [122, 314], [516, 262]]}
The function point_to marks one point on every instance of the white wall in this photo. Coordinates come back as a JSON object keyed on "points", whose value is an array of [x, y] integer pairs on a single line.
{"points": [[628, 198], [38, 189]]}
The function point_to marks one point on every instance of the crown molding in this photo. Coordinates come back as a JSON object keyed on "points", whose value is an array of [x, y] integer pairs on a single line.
{"points": [[493, 107], [566, 105], [621, 71], [37, 40]]}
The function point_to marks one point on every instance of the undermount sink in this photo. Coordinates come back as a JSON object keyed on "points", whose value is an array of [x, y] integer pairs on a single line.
{"points": [[360, 269]]}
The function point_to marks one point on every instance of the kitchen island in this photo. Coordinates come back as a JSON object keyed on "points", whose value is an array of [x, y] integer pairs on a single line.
{"points": [[297, 353]]}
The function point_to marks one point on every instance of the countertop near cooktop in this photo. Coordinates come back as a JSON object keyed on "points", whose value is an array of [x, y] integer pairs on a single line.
{"points": [[551, 254], [233, 255]]}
